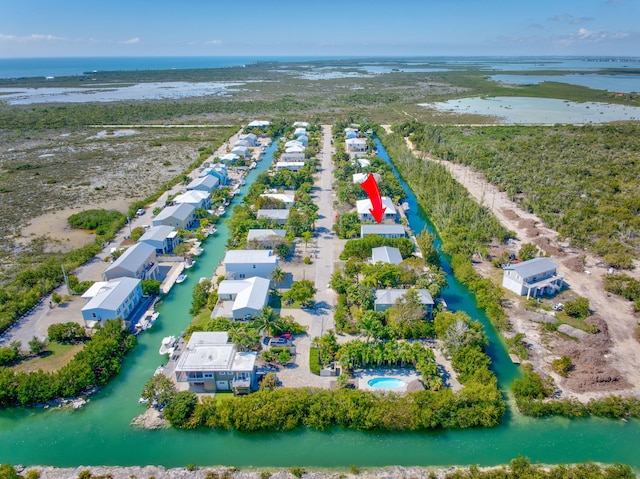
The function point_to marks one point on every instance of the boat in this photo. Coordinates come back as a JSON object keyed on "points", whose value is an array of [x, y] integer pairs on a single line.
{"points": [[181, 278], [145, 322], [168, 345], [197, 251], [243, 182], [189, 263]]}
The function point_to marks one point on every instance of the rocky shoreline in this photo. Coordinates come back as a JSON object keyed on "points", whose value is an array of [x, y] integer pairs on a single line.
{"points": [[159, 472]]}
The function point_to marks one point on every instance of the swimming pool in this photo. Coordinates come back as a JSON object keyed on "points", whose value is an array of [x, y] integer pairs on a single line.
{"points": [[386, 383]]}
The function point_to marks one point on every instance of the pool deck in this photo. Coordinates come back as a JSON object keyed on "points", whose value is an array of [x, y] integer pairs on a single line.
{"points": [[365, 375]]}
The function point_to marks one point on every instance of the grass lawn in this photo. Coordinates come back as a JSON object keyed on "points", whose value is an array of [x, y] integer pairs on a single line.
{"points": [[224, 396], [51, 359]]}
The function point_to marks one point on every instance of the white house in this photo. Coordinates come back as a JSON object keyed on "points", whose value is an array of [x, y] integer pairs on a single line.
{"points": [[229, 158], [206, 183], [289, 165], [266, 237], [387, 231], [279, 216], [246, 297], [386, 254], [251, 139], [163, 238], [356, 144], [300, 131], [241, 142], [534, 277], [288, 200], [116, 298], [259, 123], [292, 157], [292, 143], [219, 170], [138, 261], [182, 216], [245, 263], [295, 149], [195, 198], [211, 363], [363, 208], [303, 124], [241, 151], [386, 298], [363, 162]]}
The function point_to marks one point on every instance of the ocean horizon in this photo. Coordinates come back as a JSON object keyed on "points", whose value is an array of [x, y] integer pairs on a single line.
{"points": [[72, 66]]}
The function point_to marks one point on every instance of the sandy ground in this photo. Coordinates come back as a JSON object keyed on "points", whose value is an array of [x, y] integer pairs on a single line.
{"points": [[615, 348]]}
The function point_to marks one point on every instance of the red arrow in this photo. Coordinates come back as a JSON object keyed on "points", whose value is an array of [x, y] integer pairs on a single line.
{"points": [[370, 186]]}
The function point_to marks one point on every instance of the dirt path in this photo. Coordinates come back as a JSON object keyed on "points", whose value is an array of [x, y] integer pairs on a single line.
{"points": [[624, 352]]}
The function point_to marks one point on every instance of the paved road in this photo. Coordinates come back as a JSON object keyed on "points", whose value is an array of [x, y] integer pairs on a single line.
{"points": [[325, 239]]}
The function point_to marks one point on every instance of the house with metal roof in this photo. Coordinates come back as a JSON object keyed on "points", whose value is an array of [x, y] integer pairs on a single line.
{"points": [[279, 216], [386, 254], [363, 207], [163, 238], [356, 145], [229, 158], [300, 131], [182, 216], [244, 298], [138, 261], [386, 298], [388, 231], [211, 363], [250, 138], [266, 237], [195, 198], [241, 151], [292, 157], [351, 133], [206, 183], [534, 277], [116, 298], [246, 263], [288, 199], [259, 123], [289, 165]]}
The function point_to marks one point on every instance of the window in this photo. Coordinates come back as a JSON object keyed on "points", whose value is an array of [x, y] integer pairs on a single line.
{"points": [[254, 266], [207, 375]]}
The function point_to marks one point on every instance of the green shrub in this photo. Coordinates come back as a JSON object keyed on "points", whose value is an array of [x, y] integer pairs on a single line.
{"points": [[562, 365]]}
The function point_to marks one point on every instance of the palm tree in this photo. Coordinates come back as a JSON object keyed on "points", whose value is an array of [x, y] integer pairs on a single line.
{"points": [[266, 320], [278, 276]]}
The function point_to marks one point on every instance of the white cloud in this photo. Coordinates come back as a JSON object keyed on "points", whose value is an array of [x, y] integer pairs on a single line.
{"points": [[35, 37], [213, 42], [570, 19], [590, 36], [131, 41]]}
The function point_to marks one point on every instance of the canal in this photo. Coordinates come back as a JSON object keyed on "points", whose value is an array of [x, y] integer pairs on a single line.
{"points": [[100, 434]]}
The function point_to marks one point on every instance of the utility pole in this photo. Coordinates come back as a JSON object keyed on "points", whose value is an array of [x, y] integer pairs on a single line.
{"points": [[129, 223]]}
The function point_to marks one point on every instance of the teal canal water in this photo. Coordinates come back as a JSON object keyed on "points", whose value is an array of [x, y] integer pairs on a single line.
{"points": [[100, 433]]}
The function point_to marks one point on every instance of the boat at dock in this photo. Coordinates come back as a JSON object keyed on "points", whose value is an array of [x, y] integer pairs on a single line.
{"points": [[146, 322], [189, 263], [181, 278], [168, 345]]}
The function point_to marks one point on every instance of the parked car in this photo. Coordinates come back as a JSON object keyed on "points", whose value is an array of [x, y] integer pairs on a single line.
{"points": [[140, 212]]}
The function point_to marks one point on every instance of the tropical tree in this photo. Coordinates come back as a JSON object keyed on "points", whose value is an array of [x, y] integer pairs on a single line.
{"points": [[266, 321], [306, 237], [301, 291], [278, 275], [159, 391]]}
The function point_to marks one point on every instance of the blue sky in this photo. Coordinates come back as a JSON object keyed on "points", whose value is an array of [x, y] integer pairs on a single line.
{"points": [[50, 28]]}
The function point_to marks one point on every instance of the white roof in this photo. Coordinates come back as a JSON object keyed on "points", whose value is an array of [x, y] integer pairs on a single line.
{"points": [[532, 267], [261, 234], [134, 257], [280, 196], [291, 143], [94, 289], [207, 351], [251, 293], [289, 164], [263, 256], [229, 157], [364, 162], [193, 196], [363, 206], [386, 254], [158, 233], [279, 214], [181, 212], [259, 123], [294, 149], [112, 294], [300, 131], [389, 296], [304, 124], [356, 141]]}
